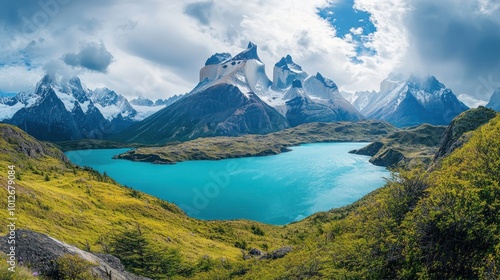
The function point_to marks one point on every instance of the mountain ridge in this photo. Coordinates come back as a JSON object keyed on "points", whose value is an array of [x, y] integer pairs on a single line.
{"points": [[221, 79], [84, 114], [412, 101]]}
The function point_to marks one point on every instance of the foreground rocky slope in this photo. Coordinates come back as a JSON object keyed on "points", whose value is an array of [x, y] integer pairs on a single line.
{"points": [[39, 252]]}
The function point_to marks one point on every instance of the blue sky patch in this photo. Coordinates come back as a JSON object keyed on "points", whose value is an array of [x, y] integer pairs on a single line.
{"points": [[348, 20]]}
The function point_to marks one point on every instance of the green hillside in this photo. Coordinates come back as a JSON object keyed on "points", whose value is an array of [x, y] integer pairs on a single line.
{"points": [[439, 224], [85, 208]]}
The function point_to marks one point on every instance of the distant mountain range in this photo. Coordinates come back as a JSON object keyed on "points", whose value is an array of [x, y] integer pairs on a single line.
{"points": [[234, 96], [60, 110], [409, 102]]}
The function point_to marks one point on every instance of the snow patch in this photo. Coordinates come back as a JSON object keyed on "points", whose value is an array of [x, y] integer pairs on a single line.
{"points": [[145, 111], [6, 111], [67, 100]]}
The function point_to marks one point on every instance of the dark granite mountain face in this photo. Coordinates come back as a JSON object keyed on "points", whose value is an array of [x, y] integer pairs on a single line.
{"points": [[50, 118], [221, 110], [302, 110]]}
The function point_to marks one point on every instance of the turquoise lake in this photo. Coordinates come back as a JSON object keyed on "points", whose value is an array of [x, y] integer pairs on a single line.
{"points": [[276, 189]]}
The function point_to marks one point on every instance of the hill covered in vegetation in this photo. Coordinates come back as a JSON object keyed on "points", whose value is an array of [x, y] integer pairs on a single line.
{"points": [[411, 146], [439, 223]]}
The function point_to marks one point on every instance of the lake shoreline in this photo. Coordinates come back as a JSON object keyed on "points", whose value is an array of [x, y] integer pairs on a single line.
{"points": [[223, 147], [272, 190]]}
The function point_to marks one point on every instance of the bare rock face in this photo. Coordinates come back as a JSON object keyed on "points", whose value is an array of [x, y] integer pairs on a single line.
{"points": [[389, 157], [279, 253], [39, 252]]}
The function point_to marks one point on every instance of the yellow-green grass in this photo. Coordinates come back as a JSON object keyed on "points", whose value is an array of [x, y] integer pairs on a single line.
{"points": [[383, 236], [82, 208], [19, 272]]}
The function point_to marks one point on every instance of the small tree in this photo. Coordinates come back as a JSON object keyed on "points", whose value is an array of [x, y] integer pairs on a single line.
{"points": [[140, 257], [72, 267], [130, 247]]}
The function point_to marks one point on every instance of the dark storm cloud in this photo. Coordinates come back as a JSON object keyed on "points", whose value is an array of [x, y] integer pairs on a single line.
{"points": [[200, 11], [93, 57], [457, 34]]}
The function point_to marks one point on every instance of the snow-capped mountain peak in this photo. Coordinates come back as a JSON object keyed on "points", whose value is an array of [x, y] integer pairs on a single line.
{"points": [[327, 82], [245, 71], [47, 82], [141, 101], [249, 53], [285, 72], [295, 91], [74, 86], [112, 105], [61, 108], [429, 83], [319, 87], [413, 101], [288, 64]]}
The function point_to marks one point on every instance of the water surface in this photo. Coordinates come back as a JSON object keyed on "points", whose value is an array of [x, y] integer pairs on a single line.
{"points": [[276, 189]]}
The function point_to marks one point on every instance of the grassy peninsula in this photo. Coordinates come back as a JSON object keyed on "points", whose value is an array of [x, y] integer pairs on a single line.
{"points": [[260, 145]]}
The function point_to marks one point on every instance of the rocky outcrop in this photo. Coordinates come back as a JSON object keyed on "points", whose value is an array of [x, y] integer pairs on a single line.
{"points": [[404, 146], [370, 150], [39, 252], [17, 141], [456, 133], [389, 157], [279, 253], [276, 254]]}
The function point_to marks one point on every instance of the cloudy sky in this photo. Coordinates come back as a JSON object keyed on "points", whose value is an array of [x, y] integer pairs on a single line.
{"points": [[155, 48]]}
